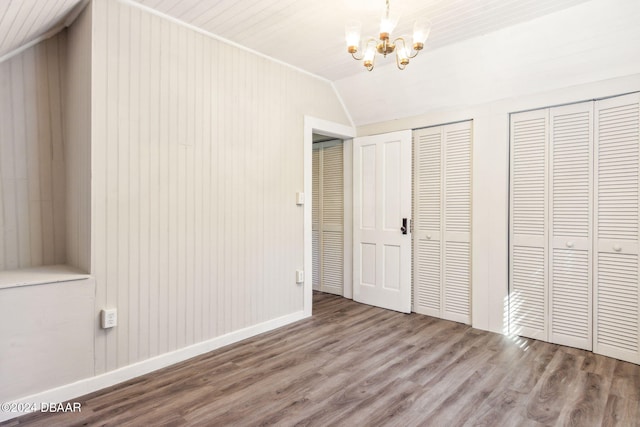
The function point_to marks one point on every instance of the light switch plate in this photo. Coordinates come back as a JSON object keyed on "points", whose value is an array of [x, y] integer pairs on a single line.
{"points": [[299, 198], [299, 276], [109, 318]]}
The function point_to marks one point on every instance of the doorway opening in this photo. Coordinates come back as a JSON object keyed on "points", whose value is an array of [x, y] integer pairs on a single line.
{"points": [[325, 130], [328, 215]]}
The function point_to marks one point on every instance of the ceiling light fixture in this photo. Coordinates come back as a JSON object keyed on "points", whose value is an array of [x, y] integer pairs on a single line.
{"points": [[383, 45]]}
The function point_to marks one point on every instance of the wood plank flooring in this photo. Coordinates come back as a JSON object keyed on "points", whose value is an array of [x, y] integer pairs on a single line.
{"points": [[356, 365]]}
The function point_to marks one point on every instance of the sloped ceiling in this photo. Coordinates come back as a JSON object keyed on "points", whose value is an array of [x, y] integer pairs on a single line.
{"points": [[23, 21], [309, 34], [592, 42]]}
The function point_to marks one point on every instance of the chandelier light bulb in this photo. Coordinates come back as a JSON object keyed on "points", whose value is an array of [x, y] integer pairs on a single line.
{"points": [[421, 30], [352, 35], [387, 25], [369, 56], [403, 55]]}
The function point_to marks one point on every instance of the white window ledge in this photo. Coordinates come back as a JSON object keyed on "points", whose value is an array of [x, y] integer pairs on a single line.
{"points": [[40, 275]]}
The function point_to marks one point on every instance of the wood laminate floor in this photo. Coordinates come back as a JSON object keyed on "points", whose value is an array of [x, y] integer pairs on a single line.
{"points": [[356, 365]]}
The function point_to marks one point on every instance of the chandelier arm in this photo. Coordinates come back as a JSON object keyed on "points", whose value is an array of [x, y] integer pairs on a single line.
{"points": [[356, 57], [410, 54]]}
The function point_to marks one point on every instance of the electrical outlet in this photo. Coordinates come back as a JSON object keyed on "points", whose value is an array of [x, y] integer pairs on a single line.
{"points": [[109, 318]]}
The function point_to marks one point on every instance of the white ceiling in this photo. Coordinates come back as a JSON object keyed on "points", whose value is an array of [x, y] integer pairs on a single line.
{"points": [[22, 21], [308, 34]]}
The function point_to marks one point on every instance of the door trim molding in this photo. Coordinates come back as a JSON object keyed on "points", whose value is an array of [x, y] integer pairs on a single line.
{"points": [[332, 129]]}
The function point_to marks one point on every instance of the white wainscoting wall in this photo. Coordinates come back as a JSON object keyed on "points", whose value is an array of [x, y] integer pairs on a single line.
{"points": [[32, 177], [197, 154]]}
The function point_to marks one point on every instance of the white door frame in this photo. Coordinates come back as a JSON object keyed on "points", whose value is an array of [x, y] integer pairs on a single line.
{"points": [[314, 125]]}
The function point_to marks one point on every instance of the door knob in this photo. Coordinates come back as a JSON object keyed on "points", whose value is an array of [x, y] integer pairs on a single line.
{"points": [[428, 236], [569, 244], [617, 248], [404, 226]]}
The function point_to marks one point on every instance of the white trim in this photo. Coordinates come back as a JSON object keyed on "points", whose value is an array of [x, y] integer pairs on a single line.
{"points": [[152, 11], [347, 287], [40, 275], [336, 130], [32, 43], [67, 21], [344, 106], [90, 385]]}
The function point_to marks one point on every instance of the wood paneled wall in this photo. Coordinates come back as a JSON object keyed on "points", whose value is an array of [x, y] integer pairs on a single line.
{"points": [[77, 142], [197, 155], [32, 166]]}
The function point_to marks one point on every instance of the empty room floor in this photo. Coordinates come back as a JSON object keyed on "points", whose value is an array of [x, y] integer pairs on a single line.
{"points": [[357, 365]]}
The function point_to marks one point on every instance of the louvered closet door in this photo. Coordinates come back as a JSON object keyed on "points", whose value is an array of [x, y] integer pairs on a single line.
{"points": [[315, 217], [328, 217], [427, 288], [332, 220], [617, 313], [456, 224], [442, 232], [570, 200], [528, 239]]}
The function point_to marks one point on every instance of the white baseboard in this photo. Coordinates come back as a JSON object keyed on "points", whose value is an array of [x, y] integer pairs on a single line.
{"points": [[89, 385]]}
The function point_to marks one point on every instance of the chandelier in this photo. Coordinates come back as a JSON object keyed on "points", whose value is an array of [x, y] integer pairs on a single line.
{"points": [[383, 45]]}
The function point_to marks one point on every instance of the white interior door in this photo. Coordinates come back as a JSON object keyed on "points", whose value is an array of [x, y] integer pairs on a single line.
{"points": [[382, 206]]}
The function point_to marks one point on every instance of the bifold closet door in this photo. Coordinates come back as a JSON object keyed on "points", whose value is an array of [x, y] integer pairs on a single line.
{"points": [[442, 233], [315, 217], [528, 225], [551, 198], [328, 217], [570, 207], [427, 275], [617, 289]]}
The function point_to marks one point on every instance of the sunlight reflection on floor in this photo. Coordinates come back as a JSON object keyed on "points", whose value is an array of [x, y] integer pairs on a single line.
{"points": [[513, 319]]}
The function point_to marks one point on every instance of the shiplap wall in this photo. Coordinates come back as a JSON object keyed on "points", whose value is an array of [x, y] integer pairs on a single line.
{"points": [[32, 167], [76, 88], [196, 158]]}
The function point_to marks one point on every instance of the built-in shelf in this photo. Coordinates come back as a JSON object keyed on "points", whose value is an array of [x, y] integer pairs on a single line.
{"points": [[40, 275]]}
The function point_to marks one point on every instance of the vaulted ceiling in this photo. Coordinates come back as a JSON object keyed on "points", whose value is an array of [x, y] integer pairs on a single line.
{"points": [[308, 34], [478, 50]]}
